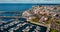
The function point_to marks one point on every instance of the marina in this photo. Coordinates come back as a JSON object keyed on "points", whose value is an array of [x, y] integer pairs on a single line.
{"points": [[17, 26]]}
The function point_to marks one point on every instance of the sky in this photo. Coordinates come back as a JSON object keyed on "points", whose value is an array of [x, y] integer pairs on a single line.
{"points": [[30, 1]]}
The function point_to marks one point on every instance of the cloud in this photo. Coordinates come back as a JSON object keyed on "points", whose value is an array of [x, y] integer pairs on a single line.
{"points": [[6, 0], [14, 0], [29, 1]]}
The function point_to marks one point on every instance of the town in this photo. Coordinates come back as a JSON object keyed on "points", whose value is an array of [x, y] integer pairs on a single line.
{"points": [[48, 16]]}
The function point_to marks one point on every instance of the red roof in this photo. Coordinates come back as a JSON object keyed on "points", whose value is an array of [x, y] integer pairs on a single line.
{"points": [[42, 12]]}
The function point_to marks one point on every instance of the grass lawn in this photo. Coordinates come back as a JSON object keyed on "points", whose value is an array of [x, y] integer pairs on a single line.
{"points": [[37, 20], [53, 30], [58, 21], [47, 22]]}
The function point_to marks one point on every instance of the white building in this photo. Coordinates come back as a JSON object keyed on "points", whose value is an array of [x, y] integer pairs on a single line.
{"points": [[26, 14]]}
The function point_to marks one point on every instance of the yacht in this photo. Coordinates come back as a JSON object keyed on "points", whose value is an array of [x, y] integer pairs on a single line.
{"points": [[16, 22], [24, 24], [1, 28], [11, 30], [26, 29], [37, 28], [15, 28], [37, 31], [33, 31], [31, 26], [20, 25], [5, 26]]}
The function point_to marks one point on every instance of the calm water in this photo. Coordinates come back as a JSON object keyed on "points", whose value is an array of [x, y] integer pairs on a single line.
{"points": [[15, 7], [18, 7]]}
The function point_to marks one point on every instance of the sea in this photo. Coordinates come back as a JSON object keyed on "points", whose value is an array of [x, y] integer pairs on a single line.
{"points": [[11, 7], [15, 7]]}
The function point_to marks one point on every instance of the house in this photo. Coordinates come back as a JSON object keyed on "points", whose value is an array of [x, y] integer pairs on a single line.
{"points": [[42, 12], [30, 18], [26, 14], [43, 19]]}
